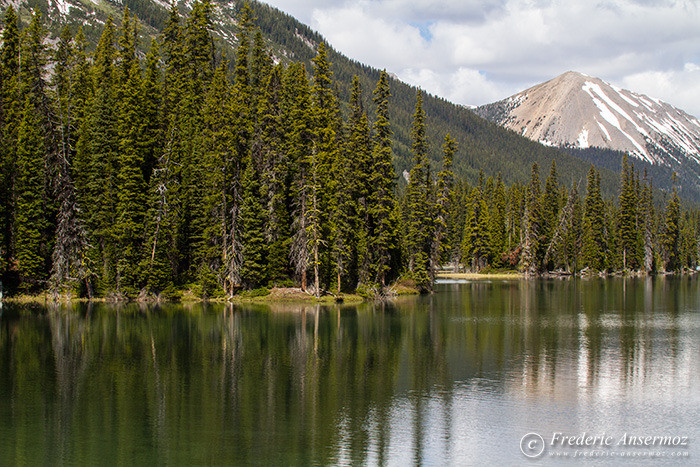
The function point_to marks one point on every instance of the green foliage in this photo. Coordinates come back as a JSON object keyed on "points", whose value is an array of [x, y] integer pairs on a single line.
{"points": [[381, 202], [29, 210], [533, 225], [122, 174], [10, 108], [671, 240], [594, 239], [628, 227], [254, 267], [419, 204]]}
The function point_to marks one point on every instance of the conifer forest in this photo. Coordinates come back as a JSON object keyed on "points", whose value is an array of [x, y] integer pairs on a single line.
{"points": [[124, 174]]}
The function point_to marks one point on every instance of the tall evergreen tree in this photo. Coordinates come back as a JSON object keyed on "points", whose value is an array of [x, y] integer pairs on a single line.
{"points": [[550, 210], [199, 69], [324, 153], [444, 195], [161, 258], [70, 246], [130, 185], [10, 111], [475, 245], [219, 165], [253, 220], [349, 216], [298, 128], [419, 204], [497, 223], [627, 228], [594, 244], [278, 174], [30, 211], [671, 235], [533, 225], [96, 155], [646, 207], [33, 209], [381, 197]]}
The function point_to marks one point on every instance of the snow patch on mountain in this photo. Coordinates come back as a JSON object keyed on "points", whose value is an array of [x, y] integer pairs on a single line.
{"points": [[583, 139], [62, 6]]}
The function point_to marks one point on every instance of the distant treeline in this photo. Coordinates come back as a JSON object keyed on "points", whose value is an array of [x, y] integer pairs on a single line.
{"points": [[124, 176]]}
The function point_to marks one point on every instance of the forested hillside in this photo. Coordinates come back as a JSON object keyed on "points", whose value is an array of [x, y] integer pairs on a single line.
{"points": [[126, 176], [481, 144]]}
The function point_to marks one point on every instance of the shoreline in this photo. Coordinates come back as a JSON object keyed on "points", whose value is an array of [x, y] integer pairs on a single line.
{"points": [[480, 276], [274, 295], [296, 295]]}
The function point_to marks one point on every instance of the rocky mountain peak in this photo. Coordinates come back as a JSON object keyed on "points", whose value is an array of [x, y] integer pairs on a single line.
{"points": [[581, 111]]}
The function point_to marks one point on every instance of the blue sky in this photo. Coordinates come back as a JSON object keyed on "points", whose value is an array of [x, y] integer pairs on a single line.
{"points": [[477, 51]]}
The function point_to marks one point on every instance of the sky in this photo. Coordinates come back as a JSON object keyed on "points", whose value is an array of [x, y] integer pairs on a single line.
{"points": [[473, 52]]}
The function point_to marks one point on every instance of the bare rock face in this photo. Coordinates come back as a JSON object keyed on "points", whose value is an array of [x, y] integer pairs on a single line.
{"points": [[580, 111]]}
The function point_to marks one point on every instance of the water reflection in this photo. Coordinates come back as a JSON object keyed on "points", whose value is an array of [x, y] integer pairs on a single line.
{"points": [[450, 378]]}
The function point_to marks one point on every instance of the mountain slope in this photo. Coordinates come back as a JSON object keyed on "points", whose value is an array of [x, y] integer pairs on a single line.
{"points": [[482, 145], [577, 111]]}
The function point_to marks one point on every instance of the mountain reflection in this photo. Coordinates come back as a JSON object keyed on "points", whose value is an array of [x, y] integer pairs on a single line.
{"points": [[422, 379]]}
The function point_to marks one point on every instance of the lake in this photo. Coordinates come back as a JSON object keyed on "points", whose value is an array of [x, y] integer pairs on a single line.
{"points": [[501, 371]]}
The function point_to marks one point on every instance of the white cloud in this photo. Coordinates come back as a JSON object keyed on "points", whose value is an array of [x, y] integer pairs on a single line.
{"points": [[356, 34], [680, 88], [503, 46]]}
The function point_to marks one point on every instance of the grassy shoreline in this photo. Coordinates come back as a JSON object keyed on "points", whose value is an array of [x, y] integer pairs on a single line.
{"points": [[478, 276], [274, 295]]}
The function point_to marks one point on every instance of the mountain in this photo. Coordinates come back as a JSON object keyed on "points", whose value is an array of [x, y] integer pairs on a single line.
{"points": [[579, 112], [482, 145]]}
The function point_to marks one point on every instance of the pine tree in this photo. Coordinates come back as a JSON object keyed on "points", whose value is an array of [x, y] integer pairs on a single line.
{"points": [[350, 216], [10, 112], [30, 212], [671, 235], [627, 229], [594, 244], [444, 194], [254, 266], [161, 260], [33, 211], [277, 180], [381, 182], [497, 223], [297, 126], [324, 153], [550, 210], [646, 207], [312, 219], [514, 223], [96, 159], [198, 70], [688, 243], [130, 185], [533, 225], [68, 265], [419, 204], [475, 245], [219, 165]]}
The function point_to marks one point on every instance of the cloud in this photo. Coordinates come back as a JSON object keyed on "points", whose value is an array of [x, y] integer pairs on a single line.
{"points": [[504, 46], [680, 88]]}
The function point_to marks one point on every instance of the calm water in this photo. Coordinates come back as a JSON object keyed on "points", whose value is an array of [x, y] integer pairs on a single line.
{"points": [[459, 377]]}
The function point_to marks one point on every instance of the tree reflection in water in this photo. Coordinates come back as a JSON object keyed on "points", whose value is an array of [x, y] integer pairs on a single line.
{"points": [[447, 378]]}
